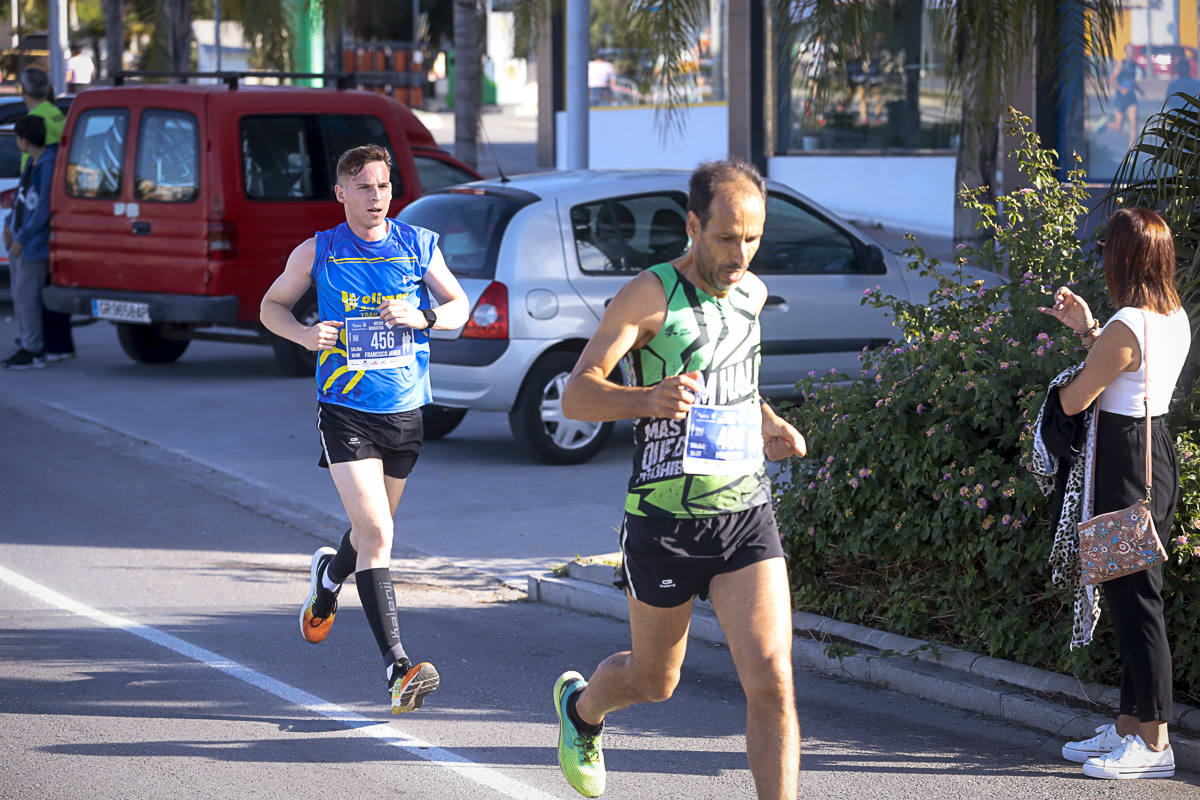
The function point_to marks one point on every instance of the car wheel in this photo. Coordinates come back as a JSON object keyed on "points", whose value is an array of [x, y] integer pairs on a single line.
{"points": [[294, 360], [438, 421], [146, 344], [537, 419]]}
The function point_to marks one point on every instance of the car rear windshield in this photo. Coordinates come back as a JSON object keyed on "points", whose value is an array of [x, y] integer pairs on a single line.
{"points": [[470, 225]]}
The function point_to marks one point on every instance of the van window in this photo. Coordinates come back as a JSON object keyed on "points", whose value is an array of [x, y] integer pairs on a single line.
{"points": [[167, 157], [277, 160], [96, 161], [625, 235], [438, 174], [342, 132]]}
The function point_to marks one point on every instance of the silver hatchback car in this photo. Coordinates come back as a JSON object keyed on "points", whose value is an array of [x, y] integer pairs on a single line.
{"points": [[541, 255]]}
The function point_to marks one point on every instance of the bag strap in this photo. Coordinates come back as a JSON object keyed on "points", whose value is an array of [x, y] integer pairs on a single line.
{"points": [[1146, 393]]}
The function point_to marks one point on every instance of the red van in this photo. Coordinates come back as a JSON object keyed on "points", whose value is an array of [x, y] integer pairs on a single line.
{"points": [[174, 207]]}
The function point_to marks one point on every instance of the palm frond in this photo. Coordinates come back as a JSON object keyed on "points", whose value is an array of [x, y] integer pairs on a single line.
{"points": [[667, 31], [1162, 171]]}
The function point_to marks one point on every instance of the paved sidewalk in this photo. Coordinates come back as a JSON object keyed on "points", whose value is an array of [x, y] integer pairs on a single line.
{"points": [[1057, 704]]}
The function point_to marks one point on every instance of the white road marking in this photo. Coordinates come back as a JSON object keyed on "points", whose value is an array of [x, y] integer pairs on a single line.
{"points": [[356, 722]]}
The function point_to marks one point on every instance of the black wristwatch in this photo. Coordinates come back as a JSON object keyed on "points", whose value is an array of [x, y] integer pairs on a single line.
{"points": [[430, 317]]}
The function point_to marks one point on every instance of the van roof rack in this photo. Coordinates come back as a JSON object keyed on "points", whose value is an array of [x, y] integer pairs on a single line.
{"points": [[343, 80]]}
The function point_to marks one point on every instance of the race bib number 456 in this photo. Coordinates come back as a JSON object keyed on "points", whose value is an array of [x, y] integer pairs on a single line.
{"points": [[373, 344], [723, 440]]}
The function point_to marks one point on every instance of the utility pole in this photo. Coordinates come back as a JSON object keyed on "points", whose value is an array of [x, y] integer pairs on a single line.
{"points": [[58, 45], [217, 33], [578, 52]]}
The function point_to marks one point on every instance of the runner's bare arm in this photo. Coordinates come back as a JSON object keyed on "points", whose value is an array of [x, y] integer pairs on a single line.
{"points": [[780, 438], [275, 311], [452, 308], [631, 320]]}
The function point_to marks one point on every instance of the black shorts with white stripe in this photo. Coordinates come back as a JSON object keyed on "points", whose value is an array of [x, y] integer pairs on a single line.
{"points": [[348, 434]]}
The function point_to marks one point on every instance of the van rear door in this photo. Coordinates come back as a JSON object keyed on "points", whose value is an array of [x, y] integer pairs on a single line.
{"points": [[133, 191]]}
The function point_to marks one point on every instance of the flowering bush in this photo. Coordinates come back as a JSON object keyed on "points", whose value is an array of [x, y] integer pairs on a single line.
{"points": [[915, 510]]}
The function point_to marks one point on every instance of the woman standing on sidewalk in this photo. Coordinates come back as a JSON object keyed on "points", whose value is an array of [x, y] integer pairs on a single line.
{"points": [[1139, 269]]}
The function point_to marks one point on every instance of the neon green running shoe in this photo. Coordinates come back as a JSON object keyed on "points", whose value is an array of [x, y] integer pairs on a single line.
{"points": [[579, 755]]}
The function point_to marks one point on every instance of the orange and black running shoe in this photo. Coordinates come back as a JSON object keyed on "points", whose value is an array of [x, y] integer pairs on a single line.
{"points": [[316, 616]]}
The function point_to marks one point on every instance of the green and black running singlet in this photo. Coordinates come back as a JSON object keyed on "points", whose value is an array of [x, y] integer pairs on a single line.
{"points": [[719, 337]]}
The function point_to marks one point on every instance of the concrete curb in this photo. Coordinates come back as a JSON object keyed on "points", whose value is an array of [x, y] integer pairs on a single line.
{"points": [[1056, 704]]}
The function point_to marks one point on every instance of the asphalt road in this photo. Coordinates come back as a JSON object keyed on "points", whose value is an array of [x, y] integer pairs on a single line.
{"points": [[148, 648], [157, 527]]}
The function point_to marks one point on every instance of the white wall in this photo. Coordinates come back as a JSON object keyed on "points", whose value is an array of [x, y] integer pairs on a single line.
{"points": [[915, 193], [633, 137]]}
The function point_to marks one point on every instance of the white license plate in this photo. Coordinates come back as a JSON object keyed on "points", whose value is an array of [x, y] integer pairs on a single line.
{"points": [[120, 310]]}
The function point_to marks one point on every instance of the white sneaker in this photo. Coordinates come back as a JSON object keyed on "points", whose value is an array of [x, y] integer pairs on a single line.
{"points": [[1132, 760], [1104, 742]]}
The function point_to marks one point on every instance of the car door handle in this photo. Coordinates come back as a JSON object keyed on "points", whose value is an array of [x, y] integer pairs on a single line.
{"points": [[775, 303], [141, 228]]}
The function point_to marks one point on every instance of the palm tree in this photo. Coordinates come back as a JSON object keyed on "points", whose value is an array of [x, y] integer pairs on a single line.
{"points": [[468, 86]]}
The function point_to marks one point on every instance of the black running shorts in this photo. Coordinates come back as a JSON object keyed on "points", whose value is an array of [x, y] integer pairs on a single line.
{"points": [[348, 434], [666, 560]]}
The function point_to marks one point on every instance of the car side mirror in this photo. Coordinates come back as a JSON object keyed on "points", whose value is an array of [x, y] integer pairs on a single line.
{"points": [[873, 258]]}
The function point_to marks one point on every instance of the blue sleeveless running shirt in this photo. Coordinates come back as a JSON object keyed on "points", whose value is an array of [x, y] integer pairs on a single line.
{"points": [[352, 276]]}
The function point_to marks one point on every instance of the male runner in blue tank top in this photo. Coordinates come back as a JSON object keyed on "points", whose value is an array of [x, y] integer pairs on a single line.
{"points": [[372, 379], [698, 516]]}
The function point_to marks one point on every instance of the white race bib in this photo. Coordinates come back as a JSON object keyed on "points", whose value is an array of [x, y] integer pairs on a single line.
{"points": [[373, 344], [723, 440]]}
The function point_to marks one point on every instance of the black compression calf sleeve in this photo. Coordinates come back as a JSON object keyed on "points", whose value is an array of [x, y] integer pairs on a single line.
{"points": [[344, 562], [379, 604]]}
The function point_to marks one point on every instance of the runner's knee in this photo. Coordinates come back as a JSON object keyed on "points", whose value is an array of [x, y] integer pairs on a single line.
{"points": [[768, 680], [657, 687], [372, 536]]}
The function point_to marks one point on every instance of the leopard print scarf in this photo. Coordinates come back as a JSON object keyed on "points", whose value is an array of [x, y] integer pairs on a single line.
{"points": [[1064, 555]]}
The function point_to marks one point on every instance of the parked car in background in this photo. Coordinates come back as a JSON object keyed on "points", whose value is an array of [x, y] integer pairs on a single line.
{"points": [[1159, 60], [174, 207], [541, 255]]}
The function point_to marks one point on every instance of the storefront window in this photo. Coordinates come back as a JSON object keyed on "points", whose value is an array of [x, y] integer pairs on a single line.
{"points": [[623, 72], [880, 89], [1154, 57]]}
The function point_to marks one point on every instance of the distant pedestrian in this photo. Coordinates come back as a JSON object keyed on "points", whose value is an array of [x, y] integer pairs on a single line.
{"points": [[27, 236], [374, 278], [1125, 103], [80, 70], [1144, 344], [1185, 83], [39, 100]]}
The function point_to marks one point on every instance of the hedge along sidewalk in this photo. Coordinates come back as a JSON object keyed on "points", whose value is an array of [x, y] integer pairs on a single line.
{"points": [[1057, 704]]}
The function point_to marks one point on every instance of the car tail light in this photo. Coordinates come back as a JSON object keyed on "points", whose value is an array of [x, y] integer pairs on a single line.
{"points": [[222, 240], [489, 318], [8, 198]]}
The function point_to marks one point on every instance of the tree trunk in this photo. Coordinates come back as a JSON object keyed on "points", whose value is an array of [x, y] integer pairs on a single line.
{"points": [[179, 33], [910, 123], [114, 32], [467, 85], [978, 148]]}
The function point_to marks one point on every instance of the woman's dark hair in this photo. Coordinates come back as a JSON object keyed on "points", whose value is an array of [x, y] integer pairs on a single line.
{"points": [[354, 159], [702, 186], [1139, 261]]}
